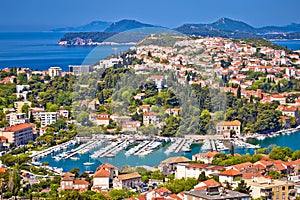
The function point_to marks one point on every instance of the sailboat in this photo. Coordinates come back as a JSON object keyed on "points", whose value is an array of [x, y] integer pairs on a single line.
{"points": [[88, 163]]}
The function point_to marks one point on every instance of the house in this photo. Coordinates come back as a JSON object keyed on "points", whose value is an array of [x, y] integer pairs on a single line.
{"points": [[68, 182], [3, 143], [104, 175], [19, 134], [131, 126], [47, 118], [168, 166], [140, 96], [194, 170], [215, 193], [143, 109], [63, 113], [150, 118], [270, 189], [158, 80], [19, 104], [54, 71], [173, 111], [278, 97], [127, 181], [102, 121], [291, 111], [205, 157], [228, 128], [205, 184], [230, 176], [16, 118], [159, 193]]}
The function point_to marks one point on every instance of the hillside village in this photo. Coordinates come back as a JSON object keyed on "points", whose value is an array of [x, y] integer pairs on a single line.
{"points": [[40, 109]]}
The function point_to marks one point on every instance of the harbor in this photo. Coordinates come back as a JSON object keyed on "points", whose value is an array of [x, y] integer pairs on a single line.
{"points": [[134, 150]]}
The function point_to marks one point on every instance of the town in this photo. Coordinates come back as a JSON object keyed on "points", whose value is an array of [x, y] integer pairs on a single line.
{"points": [[168, 91]]}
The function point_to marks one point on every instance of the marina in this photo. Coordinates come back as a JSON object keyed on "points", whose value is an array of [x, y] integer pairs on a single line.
{"points": [[140, 150]]}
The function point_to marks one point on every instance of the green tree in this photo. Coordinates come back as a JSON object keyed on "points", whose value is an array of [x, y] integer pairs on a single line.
{"points": [[202, 177], [281, 153], [242, 187], [296, 155]]}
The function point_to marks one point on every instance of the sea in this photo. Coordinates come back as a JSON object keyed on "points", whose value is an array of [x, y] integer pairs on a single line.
{"points": [[39, 50]]}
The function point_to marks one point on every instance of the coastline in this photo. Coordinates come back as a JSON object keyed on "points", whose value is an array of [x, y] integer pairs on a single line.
{"points": [[262, 136]]}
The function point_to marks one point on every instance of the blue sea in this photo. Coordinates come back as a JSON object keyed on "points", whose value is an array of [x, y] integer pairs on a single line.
{"points": [[39, 50]]}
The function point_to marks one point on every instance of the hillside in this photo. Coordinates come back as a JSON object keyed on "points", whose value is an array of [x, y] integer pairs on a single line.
{"points": [[95, 26], [125, 25]]}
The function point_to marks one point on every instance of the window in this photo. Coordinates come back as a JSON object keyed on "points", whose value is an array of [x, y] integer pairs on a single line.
{"points": [[277, 189]]}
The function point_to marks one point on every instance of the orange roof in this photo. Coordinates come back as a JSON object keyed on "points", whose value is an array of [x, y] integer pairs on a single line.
{"points": [[129, 176], [242, 166], [210, 154], [211, 182], [162, 190], [279, 166], [18, 127], [150, 114], [3, 170], [174, 196], [102, 173], [80, 182], [277, 96], [3, 138], [230, 123], [230, 172], [251, 175]]}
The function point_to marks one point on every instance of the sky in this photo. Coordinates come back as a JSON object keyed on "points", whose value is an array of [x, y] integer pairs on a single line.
{"points": [[18, 15]]}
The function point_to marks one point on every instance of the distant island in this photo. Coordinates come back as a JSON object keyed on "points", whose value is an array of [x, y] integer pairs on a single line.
{"points": [[97, 32]]}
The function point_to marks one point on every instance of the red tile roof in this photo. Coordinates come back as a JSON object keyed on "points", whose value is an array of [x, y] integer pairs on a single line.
{"points": [[80, 182], [3, 138], [18, 127], [102, 173], [230, 172], [211, 182]]}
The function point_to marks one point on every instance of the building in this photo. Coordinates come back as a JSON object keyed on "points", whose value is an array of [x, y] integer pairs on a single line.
{"points": [[68, 182], [47, 118], [131, 126], [16, 118], [150, 118], [215, 193], [228, 128], [19, 134], [19, 104], [278, 97], [54, 71], [173, 111], [80, 69], [21, 88], [127, 181], [194, 170], [230, 176], [270, 189], [205, 157], [104, 175], [158, 80], [168, 166], [63, 113], [291, 111]]}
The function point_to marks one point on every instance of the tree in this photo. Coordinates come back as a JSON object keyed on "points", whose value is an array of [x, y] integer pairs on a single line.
{"points": [[296, 155], [25, 109], [238, 94], [242, 187], [202, 177], [274, 174], [281, 153], [75, 171]]}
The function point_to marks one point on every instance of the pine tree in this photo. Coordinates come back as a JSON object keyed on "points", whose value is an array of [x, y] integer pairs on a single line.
{"points": [[238, 93], [242, 187]]}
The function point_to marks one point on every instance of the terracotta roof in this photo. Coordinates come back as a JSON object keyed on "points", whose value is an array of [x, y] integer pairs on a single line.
{"points": [[250, 175], [150, 114], [242, 166], [129, 176], [206, 166], [162, 190], [3, 170], [80, 182], [210, 154], [230, 172], [106, 166], [68, 174], [211, 182], [19, 127], [3, 138], [102, 173], [229, 123], [174, 196], [178, 159]]}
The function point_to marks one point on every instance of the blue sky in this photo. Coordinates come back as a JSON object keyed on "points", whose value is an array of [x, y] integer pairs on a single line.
{"points": [[45, 14]]}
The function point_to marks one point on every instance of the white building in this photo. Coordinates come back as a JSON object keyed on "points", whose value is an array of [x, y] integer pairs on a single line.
{"points": [[150, 118], [16, 118], [54, 71], [194, 170]]}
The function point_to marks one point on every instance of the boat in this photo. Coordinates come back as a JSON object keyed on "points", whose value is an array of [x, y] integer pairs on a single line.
{"points": [[74, 158], [88, 163]]}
